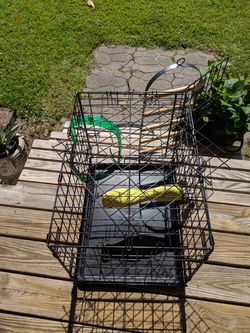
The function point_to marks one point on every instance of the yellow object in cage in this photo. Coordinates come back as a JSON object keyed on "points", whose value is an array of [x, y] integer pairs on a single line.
{"points": [[122, 197]]}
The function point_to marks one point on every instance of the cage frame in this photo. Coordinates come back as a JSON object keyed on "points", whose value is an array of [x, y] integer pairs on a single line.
{"points": [[70, 178]]}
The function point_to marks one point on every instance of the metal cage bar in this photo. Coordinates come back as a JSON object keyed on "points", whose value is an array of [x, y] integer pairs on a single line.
{"points": [[140, 153]]}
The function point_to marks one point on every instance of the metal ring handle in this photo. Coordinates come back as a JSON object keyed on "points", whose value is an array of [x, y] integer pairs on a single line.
{"points": [[179, 63]]}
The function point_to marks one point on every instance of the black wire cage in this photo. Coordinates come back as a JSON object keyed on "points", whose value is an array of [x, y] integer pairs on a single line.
{"points": [[131, 204]]}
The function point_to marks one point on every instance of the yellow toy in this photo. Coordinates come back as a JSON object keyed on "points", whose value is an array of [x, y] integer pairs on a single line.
{"points": [[122, 197]]}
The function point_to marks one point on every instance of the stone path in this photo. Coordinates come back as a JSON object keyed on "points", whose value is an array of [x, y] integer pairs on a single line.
{"points": [[123, 68]]}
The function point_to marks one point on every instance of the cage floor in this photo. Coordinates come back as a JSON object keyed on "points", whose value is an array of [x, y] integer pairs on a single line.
{"points": [[135, 245]]}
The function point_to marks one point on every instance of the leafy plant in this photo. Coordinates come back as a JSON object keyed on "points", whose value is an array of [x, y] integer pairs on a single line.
{"points": [[7, 134], [227, 114]]}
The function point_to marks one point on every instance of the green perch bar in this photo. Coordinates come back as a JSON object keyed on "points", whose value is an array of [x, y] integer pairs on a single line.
{"points": [[94, 121]]}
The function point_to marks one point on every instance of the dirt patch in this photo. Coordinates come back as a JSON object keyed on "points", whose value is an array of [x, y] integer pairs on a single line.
{"points": [[32, 129], [39, 130], [245, 151], [6, 115]]}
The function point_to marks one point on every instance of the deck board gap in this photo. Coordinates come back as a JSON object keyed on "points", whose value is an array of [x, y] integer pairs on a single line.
{"points": [[226, 264], [32, 274], [36, 239], [30, 315]]}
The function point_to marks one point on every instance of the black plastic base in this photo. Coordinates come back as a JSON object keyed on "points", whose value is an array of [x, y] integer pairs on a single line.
{"points": [[135, 246]]}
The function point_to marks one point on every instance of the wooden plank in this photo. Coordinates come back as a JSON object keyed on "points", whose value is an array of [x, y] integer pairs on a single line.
{"points": [[24, 324], [39, 176], [229, 218], [50, 155], [22, 255], [238, 195], [234, 164], [201, 317], [231, 186], [223, 216], [212, 282], [44, 144], [220, 283], [164, 316], [226, 209], [229, 198], [130, 146], [140, 313], [41, 166], [153, 142], [42, 197], [45, 155], [231, 249], [206, 317], [11, 323], [35, 295], [135, 317], [231, 175], [219, 174], [52, 299], [128, 134], [51, 177], [22, 222], [31, 195], [238, 179], [32, 223]]}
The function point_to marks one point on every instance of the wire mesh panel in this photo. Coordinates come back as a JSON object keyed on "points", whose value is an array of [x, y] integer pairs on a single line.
{"points": [[131, 203], [130, 312], [203, 101]]}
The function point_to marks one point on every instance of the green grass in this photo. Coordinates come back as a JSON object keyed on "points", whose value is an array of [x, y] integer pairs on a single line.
{"points": [[46, 45]]}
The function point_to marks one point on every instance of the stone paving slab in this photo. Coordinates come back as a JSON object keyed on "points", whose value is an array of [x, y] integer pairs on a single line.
{"points": [[123, 68]]}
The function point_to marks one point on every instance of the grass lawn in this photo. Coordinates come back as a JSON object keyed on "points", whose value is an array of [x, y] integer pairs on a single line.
{"points": [[46, 45]]}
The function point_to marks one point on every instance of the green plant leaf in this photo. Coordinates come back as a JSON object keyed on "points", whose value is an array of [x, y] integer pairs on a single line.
{"points": [[2, 134], [246, 110], [7, 134], [1, 129], [246, 98], [2, 139], [203, 70], [247, 76], [230, 83], [225, 113], [247, 126], [224, 103], [234, 88]]}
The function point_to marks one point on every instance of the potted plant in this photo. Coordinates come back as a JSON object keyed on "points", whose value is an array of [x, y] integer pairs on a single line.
{"points": [[13, 152], [224, 109]]}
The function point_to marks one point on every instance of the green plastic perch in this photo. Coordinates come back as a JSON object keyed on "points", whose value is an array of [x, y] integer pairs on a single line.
{"points": [[95, 121]]}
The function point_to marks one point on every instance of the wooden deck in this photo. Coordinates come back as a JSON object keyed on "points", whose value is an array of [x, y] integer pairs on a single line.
{"points": [[36, 294]]}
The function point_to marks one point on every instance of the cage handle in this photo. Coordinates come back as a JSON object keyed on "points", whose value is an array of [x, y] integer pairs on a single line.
{"points": [[179, 63]]}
